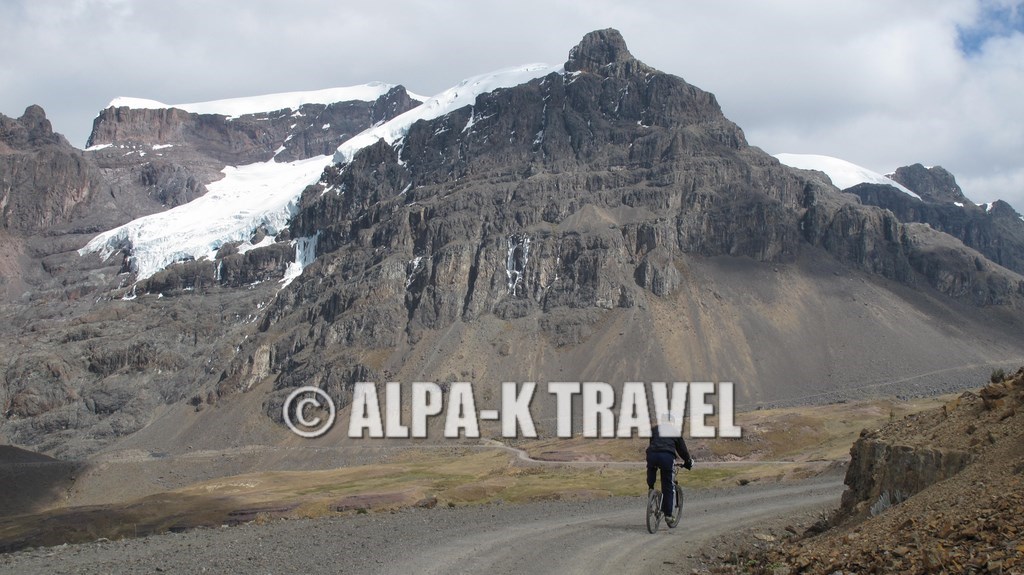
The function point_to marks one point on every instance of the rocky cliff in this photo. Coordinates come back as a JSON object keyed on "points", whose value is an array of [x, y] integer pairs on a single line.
{"points": [[891, 464], [307, 131]]}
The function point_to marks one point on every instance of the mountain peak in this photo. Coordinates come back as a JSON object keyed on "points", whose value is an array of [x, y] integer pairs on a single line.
{"points": [[32, 129], [1000, 208], [934, 184], [39, 128], [34, 114], [598, 49]]}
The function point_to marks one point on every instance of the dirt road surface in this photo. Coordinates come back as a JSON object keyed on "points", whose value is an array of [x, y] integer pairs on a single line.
{"points": [[598, 536]]}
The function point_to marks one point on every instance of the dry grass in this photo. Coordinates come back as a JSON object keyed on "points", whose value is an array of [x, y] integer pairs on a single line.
{"points": [[798, 434]]}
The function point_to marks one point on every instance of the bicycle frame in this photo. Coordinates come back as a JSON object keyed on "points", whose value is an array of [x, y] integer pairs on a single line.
{"points": [[654, 501]]}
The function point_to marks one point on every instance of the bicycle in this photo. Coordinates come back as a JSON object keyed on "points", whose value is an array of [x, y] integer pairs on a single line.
{"points": [[654, 513]]}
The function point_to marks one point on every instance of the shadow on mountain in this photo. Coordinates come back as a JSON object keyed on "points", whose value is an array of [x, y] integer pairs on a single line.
{"points": [[35, 481]]}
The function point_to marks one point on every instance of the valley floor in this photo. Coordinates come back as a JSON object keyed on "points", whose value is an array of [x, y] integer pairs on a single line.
{"points": [[597, 536]]}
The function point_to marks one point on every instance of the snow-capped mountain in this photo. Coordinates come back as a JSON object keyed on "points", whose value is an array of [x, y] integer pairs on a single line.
{"points": [[931, 196], [600, 221]]}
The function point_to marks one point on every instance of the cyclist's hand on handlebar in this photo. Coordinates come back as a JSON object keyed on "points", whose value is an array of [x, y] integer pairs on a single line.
{"points": [[688, 463]]}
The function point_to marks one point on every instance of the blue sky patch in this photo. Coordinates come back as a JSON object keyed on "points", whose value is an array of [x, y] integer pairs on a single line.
{"points": [[995, 20]]}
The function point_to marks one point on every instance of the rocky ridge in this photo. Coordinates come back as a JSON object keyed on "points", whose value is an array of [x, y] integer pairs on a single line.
{"points": [[995, 230]]}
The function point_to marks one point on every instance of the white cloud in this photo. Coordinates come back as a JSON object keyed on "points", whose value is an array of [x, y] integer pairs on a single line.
{"points": [[876, 82]]}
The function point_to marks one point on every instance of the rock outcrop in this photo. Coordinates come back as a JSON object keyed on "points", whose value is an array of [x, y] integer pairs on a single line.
{"points": [[890, 465], [938, 491], [934, 185], [44, 181], [883, 474]]}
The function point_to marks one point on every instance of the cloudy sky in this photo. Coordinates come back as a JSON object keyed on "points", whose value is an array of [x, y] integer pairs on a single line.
{"points": [[876, 82]]}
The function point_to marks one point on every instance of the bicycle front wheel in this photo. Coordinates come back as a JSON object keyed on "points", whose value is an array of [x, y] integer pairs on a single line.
{"points": [[677, 511], [653, 511]]}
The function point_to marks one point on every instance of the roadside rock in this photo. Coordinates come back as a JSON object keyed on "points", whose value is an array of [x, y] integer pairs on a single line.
{"points": [[882, 474], [925, 495]]}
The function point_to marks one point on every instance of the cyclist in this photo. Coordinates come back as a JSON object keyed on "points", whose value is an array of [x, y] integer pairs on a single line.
{"points": [[666, 442]]}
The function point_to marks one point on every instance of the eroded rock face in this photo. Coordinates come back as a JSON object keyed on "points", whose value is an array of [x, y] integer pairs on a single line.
{"points": [[882, 474], [311, 130], [870, 239], [890, 465]]}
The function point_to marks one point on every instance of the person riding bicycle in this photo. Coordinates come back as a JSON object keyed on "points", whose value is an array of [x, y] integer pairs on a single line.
{"points": [[665, 443]]}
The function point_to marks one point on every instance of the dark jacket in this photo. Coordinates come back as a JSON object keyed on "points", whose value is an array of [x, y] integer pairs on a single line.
{"points": [[673, 445]]}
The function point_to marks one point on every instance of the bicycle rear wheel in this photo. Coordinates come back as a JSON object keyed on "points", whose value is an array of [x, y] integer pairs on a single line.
{"points": [[653, 511], [677, 509]]}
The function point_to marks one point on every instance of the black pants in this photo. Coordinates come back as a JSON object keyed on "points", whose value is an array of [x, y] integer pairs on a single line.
{"points": [[662, 460]]}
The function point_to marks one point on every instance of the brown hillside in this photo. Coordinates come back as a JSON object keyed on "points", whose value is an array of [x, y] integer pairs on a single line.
{"points": [[968, 521]]}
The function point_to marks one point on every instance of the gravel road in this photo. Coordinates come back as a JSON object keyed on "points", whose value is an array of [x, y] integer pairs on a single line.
{"points": [[600, 536]]}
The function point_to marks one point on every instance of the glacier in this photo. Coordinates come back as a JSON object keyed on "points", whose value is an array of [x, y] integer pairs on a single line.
{"points": [[248, 197], [842, 173], [235, 107], [266, 194]]}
